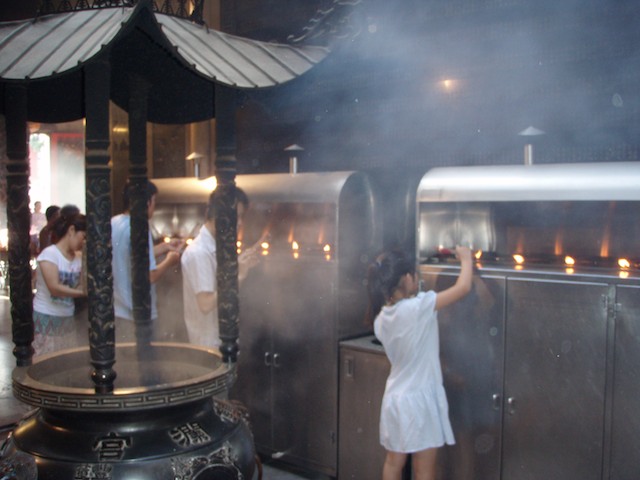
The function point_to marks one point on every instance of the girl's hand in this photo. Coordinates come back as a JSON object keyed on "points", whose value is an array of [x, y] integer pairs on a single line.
{"points": [[463, 253]]}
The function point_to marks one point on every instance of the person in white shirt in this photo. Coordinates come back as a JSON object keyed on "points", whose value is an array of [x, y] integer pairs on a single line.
{"points": [[58, 284], [121, 266], [199, 268]]}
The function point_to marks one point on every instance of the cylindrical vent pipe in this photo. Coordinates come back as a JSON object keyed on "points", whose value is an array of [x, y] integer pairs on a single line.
{"points": [[528, 148], [293, 159], [528, 154]]}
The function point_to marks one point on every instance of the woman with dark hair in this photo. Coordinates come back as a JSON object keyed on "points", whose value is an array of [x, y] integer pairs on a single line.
{"points": [[414, 416], [58, 284]]}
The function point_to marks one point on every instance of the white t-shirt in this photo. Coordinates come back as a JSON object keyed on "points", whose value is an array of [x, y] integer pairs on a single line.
{"points": [[415, 412], [199, 275], [121, 266], [68, 274]]}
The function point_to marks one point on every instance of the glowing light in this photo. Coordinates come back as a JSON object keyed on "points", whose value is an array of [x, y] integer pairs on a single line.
{"points": [[569, 260], [478, 254], [519, 259], [326, 248], [327, 257], [265, 245], [623, 274], [210, 183], [239, 244], [166, 239], [624, 263], [449, 84], [189, 241], [295, 246], [296, 255], [569, 270]]}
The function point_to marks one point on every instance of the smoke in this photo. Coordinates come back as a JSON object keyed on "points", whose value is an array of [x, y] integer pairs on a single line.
{"points": [[454, 82]]}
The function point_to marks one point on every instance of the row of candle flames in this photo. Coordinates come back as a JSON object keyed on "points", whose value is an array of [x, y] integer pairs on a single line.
{"points": [[519, 260], [264, 248]]}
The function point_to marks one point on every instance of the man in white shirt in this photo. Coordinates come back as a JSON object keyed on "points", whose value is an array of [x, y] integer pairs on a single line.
{"points": [[121, 266], [199, 268]]}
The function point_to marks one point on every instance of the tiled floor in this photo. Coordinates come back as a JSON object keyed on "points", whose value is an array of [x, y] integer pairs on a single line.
{"points": [[11, 411]]}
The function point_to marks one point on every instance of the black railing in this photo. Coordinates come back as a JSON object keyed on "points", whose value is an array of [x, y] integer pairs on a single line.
{"points": [[188, 9]]}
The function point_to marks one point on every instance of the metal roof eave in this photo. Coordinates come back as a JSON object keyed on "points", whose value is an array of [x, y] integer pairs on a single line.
{"points": [[56, 44]]}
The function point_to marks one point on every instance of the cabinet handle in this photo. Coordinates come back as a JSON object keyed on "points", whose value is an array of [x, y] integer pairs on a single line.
{"points": [[276, 360], [511, 402], [349, 366], [267, 359], [496, 401]]}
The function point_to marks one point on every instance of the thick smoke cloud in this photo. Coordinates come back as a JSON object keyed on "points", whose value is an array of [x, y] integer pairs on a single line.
{"points": [[455, 82]]}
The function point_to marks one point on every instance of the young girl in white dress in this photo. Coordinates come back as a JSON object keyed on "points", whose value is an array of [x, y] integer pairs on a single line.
{"points": [[58, 284], [414, 418]]}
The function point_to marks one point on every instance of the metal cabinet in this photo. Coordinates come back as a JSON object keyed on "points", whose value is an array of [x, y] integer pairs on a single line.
{"points": [[472, 357], [625, 424], [525, 362], [364, 369], [287, 369], [316, 236], [555, 369]]}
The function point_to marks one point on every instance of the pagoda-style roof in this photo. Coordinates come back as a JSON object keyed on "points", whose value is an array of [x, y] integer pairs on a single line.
{"points": [[182, 61]]}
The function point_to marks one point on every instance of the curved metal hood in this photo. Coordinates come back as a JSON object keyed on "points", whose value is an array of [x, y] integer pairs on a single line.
{"points": [[551, 182]]}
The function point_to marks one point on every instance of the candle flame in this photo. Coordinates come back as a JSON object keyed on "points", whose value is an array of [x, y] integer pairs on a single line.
{"points": [[326, 248], [569, 260], [624, 263], [294, 245], [519, 259]]}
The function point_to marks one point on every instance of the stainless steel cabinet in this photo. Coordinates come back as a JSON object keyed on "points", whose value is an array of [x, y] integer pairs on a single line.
{"points": [[542, 377], [287, 369], [316, 234], [364, 369], [625, 430], [555, 367]]}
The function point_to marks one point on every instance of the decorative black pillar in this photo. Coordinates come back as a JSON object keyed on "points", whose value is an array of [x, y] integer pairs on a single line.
{"points": [[19, 222], [226, 223], [98, 191], [139, 90]]}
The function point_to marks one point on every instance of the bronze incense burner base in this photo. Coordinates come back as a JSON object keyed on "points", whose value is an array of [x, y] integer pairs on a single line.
{"points": [[161, 421]]}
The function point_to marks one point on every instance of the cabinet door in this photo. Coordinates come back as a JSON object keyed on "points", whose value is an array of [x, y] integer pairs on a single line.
{"points": [[253, 385], [305, 367], [554, 380], [625, 445], [363, 375], [472, 354]]}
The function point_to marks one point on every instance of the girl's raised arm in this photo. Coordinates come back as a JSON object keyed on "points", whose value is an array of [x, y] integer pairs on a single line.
{"points": [[463, 282]]}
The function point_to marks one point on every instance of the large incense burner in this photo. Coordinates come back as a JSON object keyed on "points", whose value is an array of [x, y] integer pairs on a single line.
{"points": [[160, 422]]}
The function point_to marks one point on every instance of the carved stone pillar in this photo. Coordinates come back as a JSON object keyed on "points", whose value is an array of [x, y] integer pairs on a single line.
{"points": [[138, 95], [19, 222], [98, 200], [226, 223]]}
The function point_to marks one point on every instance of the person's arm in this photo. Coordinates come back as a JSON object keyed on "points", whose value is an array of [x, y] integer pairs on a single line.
{"points": [[463, 282], [52, 279], [170, 260], [207, 301]]}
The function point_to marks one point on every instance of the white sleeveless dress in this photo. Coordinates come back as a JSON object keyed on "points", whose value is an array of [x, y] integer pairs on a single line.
{"points": [[415, 413]]}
